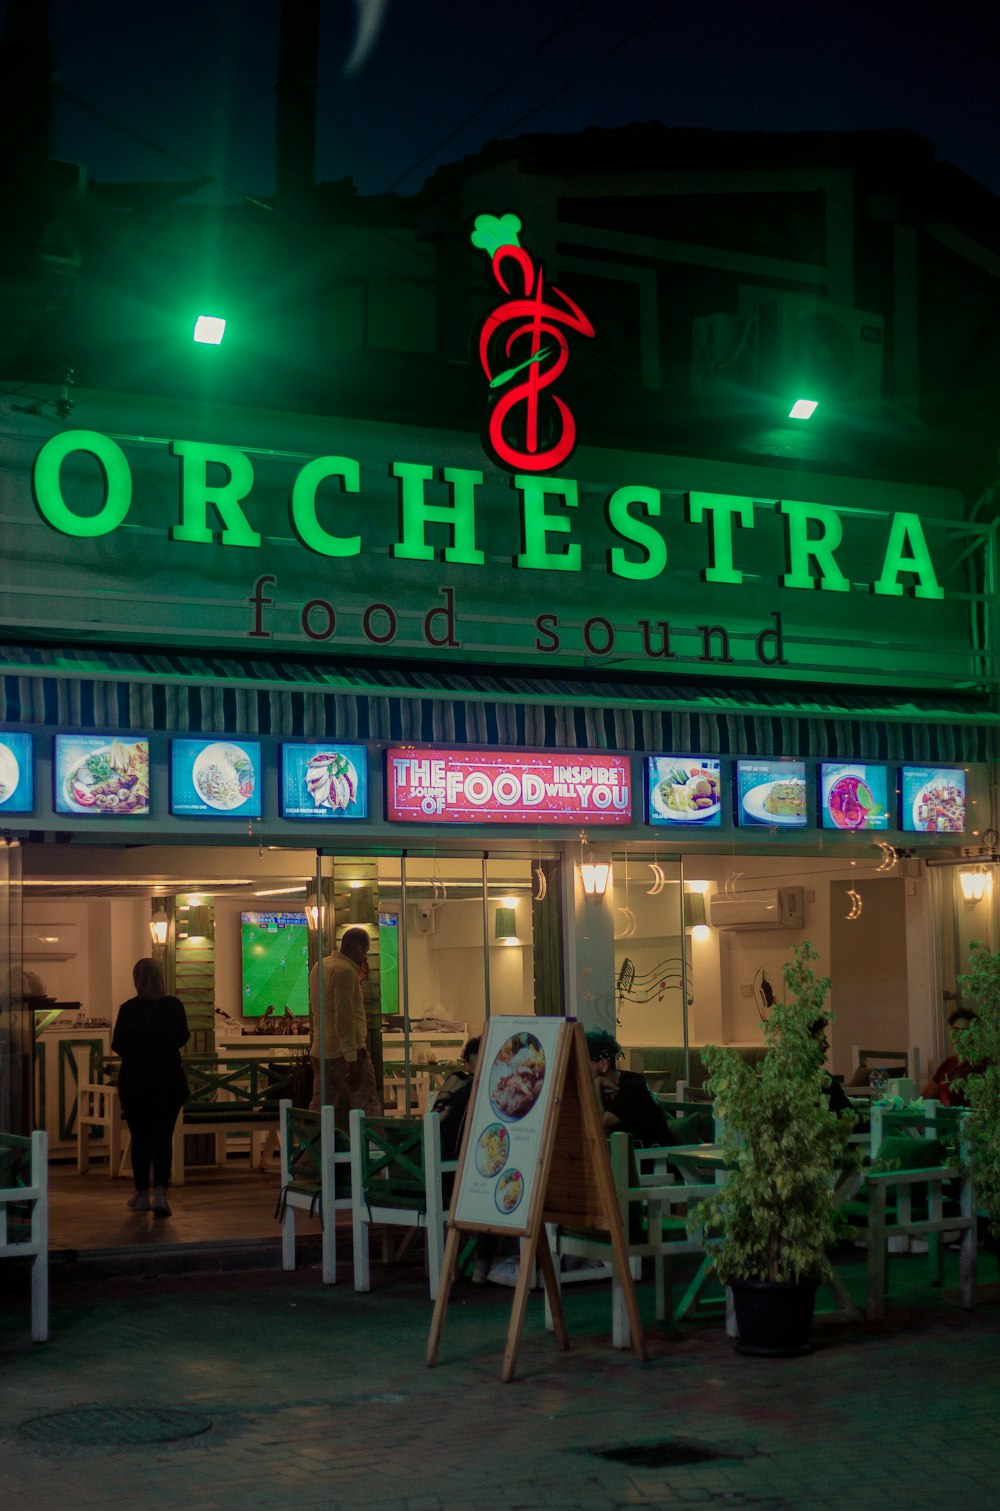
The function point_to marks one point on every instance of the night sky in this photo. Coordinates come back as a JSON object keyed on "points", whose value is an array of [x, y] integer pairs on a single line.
{"points": [[198, 79]]}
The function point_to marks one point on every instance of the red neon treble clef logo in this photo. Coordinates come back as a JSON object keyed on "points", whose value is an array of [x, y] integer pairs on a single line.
{"points": [[524, 338]]}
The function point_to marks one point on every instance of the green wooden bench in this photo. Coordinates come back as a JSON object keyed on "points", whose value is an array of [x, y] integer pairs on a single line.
{"points": [[226, 1097], [24, 1216], [398, 1179], [315, 1178]]}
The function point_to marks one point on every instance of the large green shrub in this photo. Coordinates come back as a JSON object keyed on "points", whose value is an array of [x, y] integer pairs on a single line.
{"points": [[775, 1218], [979, 1044]]}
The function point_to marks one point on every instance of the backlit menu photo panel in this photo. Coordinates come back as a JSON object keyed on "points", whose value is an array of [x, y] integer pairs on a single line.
{"points": [[17, 775], [324, 781], [101, 776], [932, 799], [853, 796], [492, 787], [684, 790], [771, 794], [215, 778]]}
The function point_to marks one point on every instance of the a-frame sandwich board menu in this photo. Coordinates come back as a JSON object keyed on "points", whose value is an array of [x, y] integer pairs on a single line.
{"points": [[533, 1152]]}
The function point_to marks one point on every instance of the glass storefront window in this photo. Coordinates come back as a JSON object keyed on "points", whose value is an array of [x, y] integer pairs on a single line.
{"points": [[653, 966]]}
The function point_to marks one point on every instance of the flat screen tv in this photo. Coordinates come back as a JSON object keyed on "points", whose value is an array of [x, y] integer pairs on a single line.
{"points": [[932, 799], [274, 952], [17, 777], [771, 794], [101, 776], [853, 796]]}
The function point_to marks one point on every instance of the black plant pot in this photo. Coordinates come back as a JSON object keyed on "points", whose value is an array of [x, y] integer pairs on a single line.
{"points": [[774, 1317]]}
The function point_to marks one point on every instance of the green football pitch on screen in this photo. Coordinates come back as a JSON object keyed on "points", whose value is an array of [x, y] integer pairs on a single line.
{"points": [[275, 954]]}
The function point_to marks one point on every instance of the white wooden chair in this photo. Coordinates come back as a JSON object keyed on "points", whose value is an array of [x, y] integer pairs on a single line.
{"points": [[24, 1216], [315, 1178], [653, 1210], [397, 1180]]}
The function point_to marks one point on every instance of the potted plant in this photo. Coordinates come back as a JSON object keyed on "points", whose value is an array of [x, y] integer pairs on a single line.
{"points": [[774, 1220], [978, 1044]]}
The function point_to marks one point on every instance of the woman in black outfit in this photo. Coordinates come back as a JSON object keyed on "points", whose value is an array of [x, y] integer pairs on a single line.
{"points": [[149, 1032]]}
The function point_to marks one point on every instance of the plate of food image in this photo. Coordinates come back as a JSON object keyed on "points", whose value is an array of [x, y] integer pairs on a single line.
{"points": [[516, 1077], [113, 779], [224, 775], [851, 803], [509, 1190], [686, 796], [939, 807], [492, 1150], [331, 780], [10, 773], [777, 802]]}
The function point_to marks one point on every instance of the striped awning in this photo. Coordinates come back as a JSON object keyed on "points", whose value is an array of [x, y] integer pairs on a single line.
{"points": [[132, 691]]}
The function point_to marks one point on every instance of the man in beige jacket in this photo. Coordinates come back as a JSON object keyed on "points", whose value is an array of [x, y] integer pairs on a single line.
{"points": [[345, 1030]]}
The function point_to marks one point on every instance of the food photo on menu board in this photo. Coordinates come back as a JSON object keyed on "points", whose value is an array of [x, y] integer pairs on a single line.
{"points": [[853, 796], [17, 777], [324, 781], [685, 790], [932, 800], [215, 778], [101, 776], [506, 1121], [771, 793]]}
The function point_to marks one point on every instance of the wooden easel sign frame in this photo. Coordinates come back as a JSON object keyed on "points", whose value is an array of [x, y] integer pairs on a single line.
{"points": [[533, 1152]]}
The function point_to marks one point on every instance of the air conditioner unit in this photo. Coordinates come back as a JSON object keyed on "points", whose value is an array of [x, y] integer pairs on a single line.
{"points": [[775, 908], [50, 941], [811, 348]]}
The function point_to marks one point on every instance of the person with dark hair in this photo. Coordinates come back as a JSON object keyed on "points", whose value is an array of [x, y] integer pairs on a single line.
{"points": [[344, 1049], [150, 1030], [627, 1104], [452, 1099], [954, 1067], [834, 1089]]}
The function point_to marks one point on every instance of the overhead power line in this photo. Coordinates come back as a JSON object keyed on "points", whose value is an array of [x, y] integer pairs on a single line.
{"points": [[556, 31]]}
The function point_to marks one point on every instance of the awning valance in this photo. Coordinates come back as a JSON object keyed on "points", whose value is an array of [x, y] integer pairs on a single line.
{"points": [[135, 691]]}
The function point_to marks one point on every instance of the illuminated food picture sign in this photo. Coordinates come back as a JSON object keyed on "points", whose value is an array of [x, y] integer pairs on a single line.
{"points": [[771, 794], [684, 790], [523, 350], [324, 781], [101, 776], [853, 796], [17, 776], [932, 800], [215, 778], [494, 788]]}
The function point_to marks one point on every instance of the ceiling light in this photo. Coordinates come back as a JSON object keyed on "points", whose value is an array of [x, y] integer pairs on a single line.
{"points": [[803, 409]]}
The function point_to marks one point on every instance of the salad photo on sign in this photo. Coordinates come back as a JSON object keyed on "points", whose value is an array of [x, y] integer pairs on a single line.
{"points": [[215, 777], [99, 777], [17, 793], [324, 781], [853, 797]]}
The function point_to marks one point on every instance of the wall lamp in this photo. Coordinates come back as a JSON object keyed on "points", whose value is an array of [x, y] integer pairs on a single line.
{"points": [[505, 926], [594, 878], [695, 918], [158, 926], [975, 884]]}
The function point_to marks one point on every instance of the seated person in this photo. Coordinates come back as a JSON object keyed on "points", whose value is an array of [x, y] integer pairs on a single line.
{"points": [[954, 1067], [834, 1090], [452, 1100], [627, 1103]]}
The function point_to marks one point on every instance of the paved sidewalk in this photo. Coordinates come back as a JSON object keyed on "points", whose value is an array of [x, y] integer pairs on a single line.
{"points": [[310, 1397]]}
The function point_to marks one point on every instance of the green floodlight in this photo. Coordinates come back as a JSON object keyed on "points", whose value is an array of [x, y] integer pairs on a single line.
{"points": [[209, 330], [803, 409]]}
